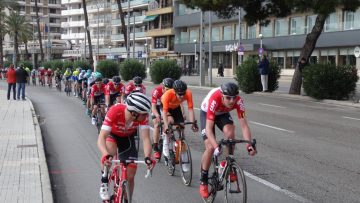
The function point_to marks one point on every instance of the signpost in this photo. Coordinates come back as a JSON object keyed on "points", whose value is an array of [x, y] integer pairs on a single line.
{"points": [[357, 52]]}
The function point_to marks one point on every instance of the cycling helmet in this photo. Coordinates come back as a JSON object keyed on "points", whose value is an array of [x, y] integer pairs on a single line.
{"points": [[97, 75], [180, 87], [138, 102], [88, 70], [229, 89], [137, 80], [168, 83], [99, 79], [68, 69], [105, 81], [116, 79], [83, 72]]}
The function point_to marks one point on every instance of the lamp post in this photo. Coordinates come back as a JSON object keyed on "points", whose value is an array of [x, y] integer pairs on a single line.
{"points": [[77, 53], [110, 57], [195, 55], [146, 54], [261, 47]]}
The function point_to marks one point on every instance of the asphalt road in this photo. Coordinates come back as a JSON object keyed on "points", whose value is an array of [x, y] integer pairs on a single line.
{"points": [[306, 148]]}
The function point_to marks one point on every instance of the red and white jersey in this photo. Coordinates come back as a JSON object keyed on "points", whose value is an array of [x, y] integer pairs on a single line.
{"points": [[130, 87], [115, 122], [212, 105], [42, 72], [96, 91], [156, 95], [110, 89], [49, 73]]}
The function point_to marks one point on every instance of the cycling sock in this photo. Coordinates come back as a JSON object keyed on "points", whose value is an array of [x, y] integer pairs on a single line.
{"points": [[155, 147], [204, 177]]}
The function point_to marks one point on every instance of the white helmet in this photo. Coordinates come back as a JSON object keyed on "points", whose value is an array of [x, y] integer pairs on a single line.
{"points": [[138, 102]]}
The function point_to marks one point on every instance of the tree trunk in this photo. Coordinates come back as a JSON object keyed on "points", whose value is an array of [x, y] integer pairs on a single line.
{"points": [[88, 34], [39, 32], [26, 52], [306, 52], [122, 18], [15, 59], [1, 45]]}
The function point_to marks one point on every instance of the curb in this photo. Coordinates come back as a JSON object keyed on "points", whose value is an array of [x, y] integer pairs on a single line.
{"points": [[47, 195]]}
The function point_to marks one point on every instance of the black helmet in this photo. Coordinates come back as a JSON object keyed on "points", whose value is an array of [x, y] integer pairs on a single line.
{"points": [[116, 79], [137, 80], [105, 81], [168, 83], [99, 79], [229, 89], [180, 86]]}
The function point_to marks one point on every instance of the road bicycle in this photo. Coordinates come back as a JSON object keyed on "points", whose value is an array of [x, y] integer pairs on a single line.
{"points": [[179, 152], [58, 83], [67, 87], [99, 115], [229, 177], [118, 185]]}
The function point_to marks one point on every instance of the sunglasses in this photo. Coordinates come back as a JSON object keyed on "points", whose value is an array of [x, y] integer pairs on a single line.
{"points": [[230, 97], [98, 83], [116, 83], [181, 94]]}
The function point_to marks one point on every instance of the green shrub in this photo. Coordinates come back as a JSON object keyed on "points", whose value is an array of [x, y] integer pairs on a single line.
{"points": [[108, 68], [327, 81], [67, 64], [248, 77], [164, 69], [131, 68], [27, 64], [57, 64], [7, 63], [82, 64], [46, 64]]}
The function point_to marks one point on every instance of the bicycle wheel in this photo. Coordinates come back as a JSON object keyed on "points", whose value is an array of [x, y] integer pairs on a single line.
{"points": [[185, 163], [170, 162], [125, 196], [235, 185], [99, 120]]}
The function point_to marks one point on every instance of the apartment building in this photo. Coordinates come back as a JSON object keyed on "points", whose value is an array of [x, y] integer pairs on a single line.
{"points": [[282, 39], [50, 23]]}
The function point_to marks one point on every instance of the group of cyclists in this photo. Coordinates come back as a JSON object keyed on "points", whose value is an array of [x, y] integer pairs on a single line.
{"points": [[116, 138]]}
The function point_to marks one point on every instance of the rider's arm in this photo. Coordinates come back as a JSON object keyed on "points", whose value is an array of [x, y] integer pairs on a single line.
{"points": [[165, 102], [154, 99], [154, 110], [190, 105], [101, 142], [145, 135], [92, 100], [245, 129]]}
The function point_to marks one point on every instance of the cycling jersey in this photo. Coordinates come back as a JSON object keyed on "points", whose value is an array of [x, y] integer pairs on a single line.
{"points": [[33, 73], [169, 100], [96, 91], [76, 73], [110, 89], [42, 72], [156, 95], [115, 122], [67, 74], [130, 87], [49, 73], [212, 105]]}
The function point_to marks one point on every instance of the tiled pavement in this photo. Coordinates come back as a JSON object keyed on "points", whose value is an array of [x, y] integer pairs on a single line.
{"points": [[24, 175]]}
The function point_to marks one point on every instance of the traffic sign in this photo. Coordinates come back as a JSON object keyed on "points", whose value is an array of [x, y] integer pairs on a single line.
{"points": [[241, 49], [357, 52], [261, 50]]}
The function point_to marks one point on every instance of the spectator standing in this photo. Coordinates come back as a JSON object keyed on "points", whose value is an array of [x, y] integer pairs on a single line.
{"points": [[264, 72], [21, 76], [221, 70], [11, 80]]}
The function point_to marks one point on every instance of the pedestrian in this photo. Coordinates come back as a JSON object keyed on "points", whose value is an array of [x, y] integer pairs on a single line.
{"points": [[189, 69], [264, 72], [11, 80], [221, 70], [21, 76]]}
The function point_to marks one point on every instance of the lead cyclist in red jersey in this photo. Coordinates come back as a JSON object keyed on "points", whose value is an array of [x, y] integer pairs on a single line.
{"points": [[135, 86], [114, 91]]}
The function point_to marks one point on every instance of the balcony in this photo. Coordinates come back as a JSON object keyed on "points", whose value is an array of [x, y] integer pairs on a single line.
{"points": [[133, 4], [160, 32], [138, 20], [102, 7], [120, 37], [54, 5], [160, 11], [73, 36], [102, 22], [72, 12], [70, 2], [55, 15], [80, 23]]}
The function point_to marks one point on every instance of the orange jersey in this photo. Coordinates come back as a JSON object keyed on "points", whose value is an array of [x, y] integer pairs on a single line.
{"points": [[169, 100]]}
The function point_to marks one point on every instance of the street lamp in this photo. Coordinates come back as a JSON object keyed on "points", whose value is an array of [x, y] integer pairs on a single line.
{"points": [[261, 48], [195, 54], [110, 53], [77, 53], [146, 54]]}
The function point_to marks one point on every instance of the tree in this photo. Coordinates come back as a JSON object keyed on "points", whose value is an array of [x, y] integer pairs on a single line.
{"points": [[123, 26], [39, 31], [261, 10], [88, 32], [15, 24], [25, 35]]}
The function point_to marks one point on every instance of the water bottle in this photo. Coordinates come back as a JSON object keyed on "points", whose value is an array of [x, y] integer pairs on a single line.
{"points": [[221, 167]]}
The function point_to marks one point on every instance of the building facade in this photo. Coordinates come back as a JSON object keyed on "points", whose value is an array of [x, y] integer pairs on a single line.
{"points": [[282, 39]]}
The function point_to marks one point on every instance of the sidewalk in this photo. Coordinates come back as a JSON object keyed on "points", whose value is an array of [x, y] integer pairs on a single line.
{"points": [[24, 175]]}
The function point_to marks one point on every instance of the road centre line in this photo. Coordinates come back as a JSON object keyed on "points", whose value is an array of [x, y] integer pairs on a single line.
{"points": [[282, 107], [273, 127], [351, 118]]}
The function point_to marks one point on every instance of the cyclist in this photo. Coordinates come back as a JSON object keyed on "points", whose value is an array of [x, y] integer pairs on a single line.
{"points": [[117, 135], [166, 84], [57, 74], [42, 76], [97, 96], [215, 110], [135, 85], [67, 76], [171, 102], [114, 91], [27, 69], [49, 75], [75, 78], [90, 83], [33, 75]]}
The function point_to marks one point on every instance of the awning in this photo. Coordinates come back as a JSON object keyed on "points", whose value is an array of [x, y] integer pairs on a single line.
{"points": [[150, 18]]}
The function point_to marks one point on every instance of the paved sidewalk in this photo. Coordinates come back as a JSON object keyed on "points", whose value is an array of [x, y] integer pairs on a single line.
{"points": [[24, 175]]}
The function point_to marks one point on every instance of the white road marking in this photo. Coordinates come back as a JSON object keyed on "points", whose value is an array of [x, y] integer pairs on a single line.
{"points": [[277, 188], [282, 107], [273, 127], [358, 119]]}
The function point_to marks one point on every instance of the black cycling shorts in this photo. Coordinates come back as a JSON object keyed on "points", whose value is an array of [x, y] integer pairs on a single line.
{"points": [[177, 114], [220, 121], [113, 98], [159, 109], [99, 99], [126, 146]]}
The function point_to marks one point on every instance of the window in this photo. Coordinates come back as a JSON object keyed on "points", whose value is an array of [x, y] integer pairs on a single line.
{"points": [[215, 34], [251, 32], [194, 35], [184, 37], [227, 35], [22, 8], [52, 10], [351, 20], [281, 27], [267, 31], [242, 32], [332, 23], [52, 2], [310, 22], [160, 42], [297, 26], [167, 21]]}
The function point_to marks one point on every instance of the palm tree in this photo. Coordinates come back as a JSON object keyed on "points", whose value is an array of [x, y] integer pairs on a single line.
{"points": [[122, 18], [15, 24], [39, 31], [4, 4], [88, 33], [26, 35]]}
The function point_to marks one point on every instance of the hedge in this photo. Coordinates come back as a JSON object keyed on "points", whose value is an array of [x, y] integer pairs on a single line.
{"points": [[131, 68], [164, 69], [108, 68]]}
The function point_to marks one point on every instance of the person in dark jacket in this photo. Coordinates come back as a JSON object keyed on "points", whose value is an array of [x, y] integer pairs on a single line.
{"points": [[21, 76], [221, 70], [11, 80], [264, 72]]}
